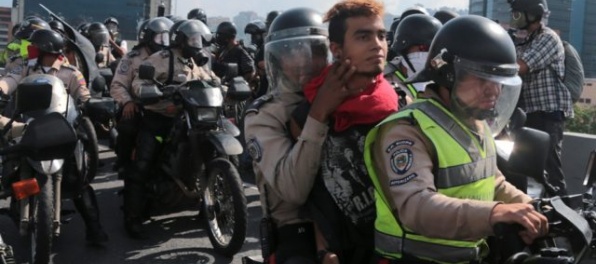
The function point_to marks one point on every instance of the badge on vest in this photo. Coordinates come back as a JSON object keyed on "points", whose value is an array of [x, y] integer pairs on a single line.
{"points": [[401, 160], [254, 149]]}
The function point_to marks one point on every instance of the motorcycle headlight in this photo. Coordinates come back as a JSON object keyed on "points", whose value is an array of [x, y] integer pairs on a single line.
{"points": [[207, 114]]}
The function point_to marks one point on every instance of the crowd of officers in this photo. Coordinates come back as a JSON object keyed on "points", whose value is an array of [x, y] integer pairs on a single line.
{"points": [[344, 177]]}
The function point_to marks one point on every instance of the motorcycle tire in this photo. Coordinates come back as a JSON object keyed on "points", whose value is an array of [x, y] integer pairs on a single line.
{"points": [[91, 148], [224, 207], [40, 222]]}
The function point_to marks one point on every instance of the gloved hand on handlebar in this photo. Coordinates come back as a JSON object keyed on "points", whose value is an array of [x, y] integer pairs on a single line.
{"points": [[534, 224]]}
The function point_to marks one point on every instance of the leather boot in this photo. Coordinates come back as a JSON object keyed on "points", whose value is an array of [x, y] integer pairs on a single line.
{"points": [[134, 203], [86, 204]]}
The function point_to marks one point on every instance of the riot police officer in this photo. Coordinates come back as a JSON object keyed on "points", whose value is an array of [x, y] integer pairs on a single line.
{"points": [[436, 159], [230, 51], [270, 17], [444, 15], [285, 170], [258, 31], [412, 42], [49, 45], [174, 65], [18, 54], [153, 36], [99, 36]]}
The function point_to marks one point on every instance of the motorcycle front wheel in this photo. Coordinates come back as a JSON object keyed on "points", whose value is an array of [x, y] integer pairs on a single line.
{"points": [[224, 206], [41, 211], [91, 147]]}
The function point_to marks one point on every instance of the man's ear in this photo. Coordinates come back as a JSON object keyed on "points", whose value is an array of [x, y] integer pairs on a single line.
{"points": [[336, 50]]}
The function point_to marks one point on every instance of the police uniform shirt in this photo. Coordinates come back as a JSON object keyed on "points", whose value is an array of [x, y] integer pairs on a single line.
{"points": [[120, 89], [285, 169], [409, 186], [184, 70], [73, 79]]}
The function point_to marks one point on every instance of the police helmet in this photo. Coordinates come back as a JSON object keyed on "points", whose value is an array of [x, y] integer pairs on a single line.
{"points": [[156, 33], [413, 10], [536, 8], [29, 25], [271, 16], [98, 34], [414, 30], [445, 15], [255, 27], [57, 26], [475, 46], [111, 20], [48, 41], [190, 33], [227, 29], [296, 49], [198, 14]]}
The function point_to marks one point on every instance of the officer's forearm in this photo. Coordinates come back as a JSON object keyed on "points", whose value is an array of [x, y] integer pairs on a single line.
{"points": [[507, 193]]}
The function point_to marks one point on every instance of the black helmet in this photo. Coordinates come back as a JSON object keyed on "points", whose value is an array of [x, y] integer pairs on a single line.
{"points": [[197, 13], [467, 49], [189, 37], [477, 41], [226, 28], [537, 8], [526, 12], [445, 15], [57, 26], [47, 40], [140, 28], [206, 34], [15, 29], [174, 18], [29, 25], [82, 28], [415, 29], [297, 39], [111, 20], [255, 27], [413, 10], [155, 33], [98, 34], [271, 16]]}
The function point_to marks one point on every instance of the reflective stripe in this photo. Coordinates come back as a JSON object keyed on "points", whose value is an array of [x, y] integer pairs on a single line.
{"points": [[394, 245], [475, 171], [446, 122]]}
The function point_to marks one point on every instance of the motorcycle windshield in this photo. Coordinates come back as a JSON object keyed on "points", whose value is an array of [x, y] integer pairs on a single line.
{"points": [[203, 97]]}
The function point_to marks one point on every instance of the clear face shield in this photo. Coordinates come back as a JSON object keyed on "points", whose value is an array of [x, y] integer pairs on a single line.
{"points": [[112, 28], [195, 41], [293, 62], [485, 92], [162, 39]]}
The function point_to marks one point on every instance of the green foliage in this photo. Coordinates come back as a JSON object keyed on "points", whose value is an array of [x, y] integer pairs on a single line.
{"points": [[584, 120]]}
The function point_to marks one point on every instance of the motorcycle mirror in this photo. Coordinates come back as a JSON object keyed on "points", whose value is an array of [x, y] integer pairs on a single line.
{"points": [[98, 84], [590, 177], [529, 153], [146, 72], [231, 71], [42, 92], [518, 119], [99, 57]]}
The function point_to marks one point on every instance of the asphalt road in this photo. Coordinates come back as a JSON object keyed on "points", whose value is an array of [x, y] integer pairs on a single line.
{"points": [[177, 238]]}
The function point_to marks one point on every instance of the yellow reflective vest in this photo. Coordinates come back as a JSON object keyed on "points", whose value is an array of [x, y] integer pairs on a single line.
{"points": [[465, 170]]}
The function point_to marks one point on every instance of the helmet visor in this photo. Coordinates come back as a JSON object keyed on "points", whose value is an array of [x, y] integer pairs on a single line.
{"points": [[162, 39], [293, 62], [195, 40], [112, 27], [480, 95]]}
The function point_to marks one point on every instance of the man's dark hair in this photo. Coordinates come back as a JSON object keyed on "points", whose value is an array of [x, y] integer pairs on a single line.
{"points": [[340, 12]]}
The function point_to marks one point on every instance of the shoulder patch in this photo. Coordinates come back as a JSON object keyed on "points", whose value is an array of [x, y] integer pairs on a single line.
{"points": [[254, 149], [401, 160], [124, 66], [257, 104]]}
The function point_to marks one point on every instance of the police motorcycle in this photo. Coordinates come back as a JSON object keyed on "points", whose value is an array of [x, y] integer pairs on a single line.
{"points": [[39, 158], [194, 170], [572, 228], [101, 108]]}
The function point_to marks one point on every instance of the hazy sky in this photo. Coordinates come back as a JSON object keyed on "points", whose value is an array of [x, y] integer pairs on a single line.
{"points": [[230, 8]]}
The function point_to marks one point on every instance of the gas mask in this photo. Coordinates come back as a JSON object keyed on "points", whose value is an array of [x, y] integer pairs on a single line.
{"points": [[519, 20]]}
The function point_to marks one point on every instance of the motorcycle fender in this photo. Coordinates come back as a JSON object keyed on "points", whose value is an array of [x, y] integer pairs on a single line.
{"points": [[47, 167], [225, 143], [229, 127]]}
